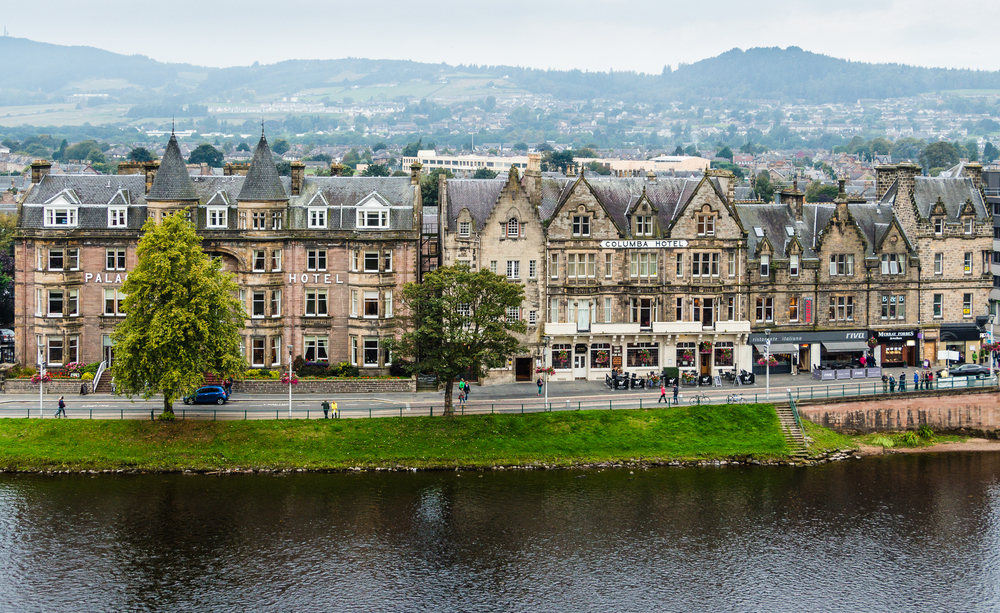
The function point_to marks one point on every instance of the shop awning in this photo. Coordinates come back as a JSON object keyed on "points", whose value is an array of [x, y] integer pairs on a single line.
{"points": [[777, 348], [845, 346]]}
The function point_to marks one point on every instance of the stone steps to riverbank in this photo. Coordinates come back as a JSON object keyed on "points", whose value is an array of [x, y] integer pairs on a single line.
{"points": [[790, 428]]}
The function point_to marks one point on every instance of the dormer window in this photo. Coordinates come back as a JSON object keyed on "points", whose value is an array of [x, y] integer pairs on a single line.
{"points": [[117, 217], [938, 226], [464, 228], [373, 219], [893, 264], [765, 266], [217, 217], [581, 225], [643, 225], [969, 225], [706, 225], [317, 218], [513, 228], [56, 217]]}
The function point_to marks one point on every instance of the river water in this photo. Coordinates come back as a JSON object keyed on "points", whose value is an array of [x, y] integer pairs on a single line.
{"points": [[894, 533]]}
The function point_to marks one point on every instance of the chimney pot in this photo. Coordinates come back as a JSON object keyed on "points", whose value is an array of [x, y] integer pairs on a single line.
{"points": [[298, 177], [415, 173]]}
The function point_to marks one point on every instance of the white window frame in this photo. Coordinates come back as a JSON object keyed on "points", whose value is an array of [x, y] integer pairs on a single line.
{"points": [[387, 260], [366, 215], [938, 302], [62, 302], [70, 215], [370, 297], [276, 260], [967, 263], [315, 299], [513, 269], [464, 228], [318, 257], [765, 266], [793, 265], [370, 255], [217, 217], [387, 303], [317, 218], [939, 263], [275, 303], [532, 269], [365, 341], [258, 260], [258, 298], [117, 217]]}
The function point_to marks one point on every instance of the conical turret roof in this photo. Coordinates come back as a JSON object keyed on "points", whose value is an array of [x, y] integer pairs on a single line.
{"points": [[172, 181], [262, 181]]}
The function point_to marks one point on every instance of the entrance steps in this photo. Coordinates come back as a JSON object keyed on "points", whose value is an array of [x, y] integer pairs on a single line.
{"points": [[104, 386]]}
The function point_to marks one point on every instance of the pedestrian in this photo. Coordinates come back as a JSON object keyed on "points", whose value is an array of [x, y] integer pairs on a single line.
{"points": [[930, 380], [461, 385], [885, 383], [326, 409], [863, 361], [228, 383], [334, 410], [902, 381], [663, 394], [892, 384], [539, 383], [916, 380], [975, 358], [676, 390], [467, 390], [461, 397], [62, 408]]}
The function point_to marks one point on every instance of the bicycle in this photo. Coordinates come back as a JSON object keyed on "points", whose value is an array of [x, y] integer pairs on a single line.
{"points": [[701, 399], [736, 399]]}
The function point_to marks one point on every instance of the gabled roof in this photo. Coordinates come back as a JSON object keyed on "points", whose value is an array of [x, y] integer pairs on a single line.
{"points": [[952, 191], [262, 182], [477, 195], [172, 181]]}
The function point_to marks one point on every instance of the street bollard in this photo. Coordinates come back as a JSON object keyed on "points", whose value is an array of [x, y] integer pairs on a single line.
{"points": [[150, 415]]}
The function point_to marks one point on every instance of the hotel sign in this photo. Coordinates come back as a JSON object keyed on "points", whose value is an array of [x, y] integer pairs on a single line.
{"points": [[644, 244]]}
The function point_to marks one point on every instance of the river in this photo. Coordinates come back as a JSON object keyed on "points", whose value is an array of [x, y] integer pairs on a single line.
{"points": [[894, 533]]}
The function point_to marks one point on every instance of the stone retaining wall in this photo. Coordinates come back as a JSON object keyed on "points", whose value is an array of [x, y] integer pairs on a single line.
{"points": [[59, 387], [975, 410], [327, 386]]}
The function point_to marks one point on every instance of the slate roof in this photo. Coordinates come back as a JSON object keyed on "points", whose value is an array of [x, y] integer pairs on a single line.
{"points": [[94, 193], [172, 181], [262, 182], [477, 195], [952, 191], [621, 195], [343, 193]]}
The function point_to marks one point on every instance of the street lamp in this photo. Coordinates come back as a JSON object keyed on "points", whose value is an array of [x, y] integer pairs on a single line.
{"points": [[41, 379], [767, 363], [290, 373], [991, 319], [545, 364]]}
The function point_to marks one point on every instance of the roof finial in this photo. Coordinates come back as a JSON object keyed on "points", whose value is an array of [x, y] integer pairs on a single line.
{"points": [[262, 127], [172, 119]]}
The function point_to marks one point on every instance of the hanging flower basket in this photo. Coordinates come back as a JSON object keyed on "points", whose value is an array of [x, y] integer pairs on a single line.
{"points": [[601, 358], [872, 342], [705, 347], [546, 371], [687, 356], [727, 354], [765, 362], [41, 378], [285, 381], [563, 354]]}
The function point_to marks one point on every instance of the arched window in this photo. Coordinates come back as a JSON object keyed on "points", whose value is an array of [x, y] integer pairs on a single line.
{"points": [[513, 228]]}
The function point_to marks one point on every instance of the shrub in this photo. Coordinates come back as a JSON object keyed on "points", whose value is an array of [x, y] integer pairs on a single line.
{"points": [[313, 369], [671, 372], [882, 441], [252, 374], [399, 368], [27, 372], [167, 416], [909, 439], [92, 367], [344, 369], [926, 432], [87, 376], [298, 363]]}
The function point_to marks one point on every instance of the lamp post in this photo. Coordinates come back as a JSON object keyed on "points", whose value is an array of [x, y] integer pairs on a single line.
{"points": [[991, 319], [41, 379], [290, 373], [767, 363], [545, 364]]}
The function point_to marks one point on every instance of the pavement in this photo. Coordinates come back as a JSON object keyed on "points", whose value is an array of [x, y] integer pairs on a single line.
{"points": [[503, 398]]}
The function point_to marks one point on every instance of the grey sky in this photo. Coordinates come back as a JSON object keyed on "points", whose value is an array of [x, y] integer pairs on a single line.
{"points": [[638, 35]]}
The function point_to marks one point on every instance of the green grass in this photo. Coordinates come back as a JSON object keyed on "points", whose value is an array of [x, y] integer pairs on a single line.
{"points": [[558, 438], [824, 439]]}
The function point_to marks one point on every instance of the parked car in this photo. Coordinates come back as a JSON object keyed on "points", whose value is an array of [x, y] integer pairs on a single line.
{"points": [[6, 335], [965, 370], [209, 394]]}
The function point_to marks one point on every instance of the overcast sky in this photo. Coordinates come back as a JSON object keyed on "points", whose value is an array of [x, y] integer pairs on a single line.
{"points": [[641, 35]]}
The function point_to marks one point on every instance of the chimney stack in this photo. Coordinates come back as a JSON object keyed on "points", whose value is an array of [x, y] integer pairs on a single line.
{"points": [[974, 170], [130, 168], [150, 169], [795, 199], [533, 179], [415, 173], [40, 168], [651, 177], [336, 170], [884, 176], [298, 177]]}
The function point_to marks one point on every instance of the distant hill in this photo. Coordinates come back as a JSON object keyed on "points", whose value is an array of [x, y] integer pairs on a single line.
{"points": [[33, 72]]}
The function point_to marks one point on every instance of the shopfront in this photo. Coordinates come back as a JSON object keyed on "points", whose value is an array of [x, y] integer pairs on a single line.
{"points": [[840, 349], [958, 343], [897, 347]]}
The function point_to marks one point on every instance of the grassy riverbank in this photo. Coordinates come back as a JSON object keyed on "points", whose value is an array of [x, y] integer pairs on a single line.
{"points": [[557, 438]]}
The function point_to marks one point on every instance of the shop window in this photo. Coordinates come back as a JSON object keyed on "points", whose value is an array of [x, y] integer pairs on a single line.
{"points": [[600, 355], [685, 355], [642, 355], [723, 353], [562, 356]]}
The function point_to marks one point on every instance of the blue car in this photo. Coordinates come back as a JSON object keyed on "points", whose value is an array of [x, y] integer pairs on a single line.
{"points": [[209, 394]]}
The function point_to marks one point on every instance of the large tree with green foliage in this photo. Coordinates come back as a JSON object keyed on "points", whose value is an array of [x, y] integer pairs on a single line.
{"points": [[484, 173], [817, 192], [429, 186], [454, 322], [939, 155], [183, 318], [376, 170], [411, 149], [140, 154], [206, 154], [763, 187]]}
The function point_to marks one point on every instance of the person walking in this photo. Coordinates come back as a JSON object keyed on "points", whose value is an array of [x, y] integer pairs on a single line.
{"points": [[902, 381], [916, 380], [228, 384], [326, 409], [663, 394], [539, 383], [676, 390], [930, 380], [334, 410], [885, 383], [62, 408]]}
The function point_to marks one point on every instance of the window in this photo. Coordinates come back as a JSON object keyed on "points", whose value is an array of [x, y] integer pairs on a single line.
{"points": [[893, 264], [581, 225], [371, 261], [73, 259], [513, 313], [938, 306], [561, 356], [765, 266], [55, 351], [643, 225], [532, 269], [387, 296], [257, 302], [841, 308], [704, 264], [581, 265], [600, 355], [730, 308], [56, 259], [685, 354], [276, 222], [354, 351], [493, 266], [317, 218], [642, 312], [117, 217], [607, 310], [968, 225], [316, 303], [276, 260], [371, 353], [56, 217], [642, 265], [464, 228], [276, 303], [258, 260], [893, 306], [113, 302], [513, 269], [275, 352], [553, 310], [554, 265], [680, 264], [115, 259], [966, 305], [679, 313], [371, 219], [513, 228], [73, 302], [765, 309], [732, 263], [73, 349], [258, 221], [354, 303], [938, 263], [371, 304], [241, 224], [217, 217], [842, 264], [315, 348], [793, 308], [257, 345], [939, 226], [316, 259], [967, 263], [642, 355], [387, 260], [608, 258], [706, 225], [793, 265], [355, 260], [55, 303]]}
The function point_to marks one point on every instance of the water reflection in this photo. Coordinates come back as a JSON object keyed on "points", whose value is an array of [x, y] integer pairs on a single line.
{"points": [[889, 534]]}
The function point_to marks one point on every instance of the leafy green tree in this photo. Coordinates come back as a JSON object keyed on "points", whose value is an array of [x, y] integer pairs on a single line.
{"points": [[817, 192], [598, 168], [557, 160], [183, 318], [748, 148], [141, 154], [484, 173], [206, 154], [379, 146], [490, 103], [376, 170], [733, 168], [429, 185], [455, 321], [411, 149], [939, 155], [880, 145], [351, 158], [520, 146], [280, 147], [972, 150], [585, 152], [990, 152], [81, 150], [679, 150], [692, 151], [243, 147], [764, 188], [908, 148], [725, 152]]}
